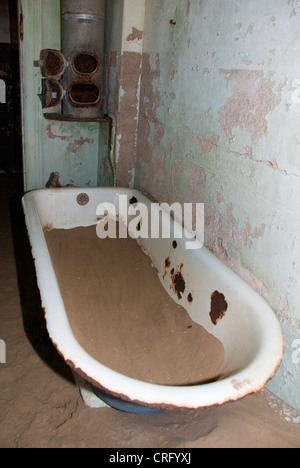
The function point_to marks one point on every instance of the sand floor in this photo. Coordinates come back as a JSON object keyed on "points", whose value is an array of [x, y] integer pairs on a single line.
{"points": [[40, 405]]}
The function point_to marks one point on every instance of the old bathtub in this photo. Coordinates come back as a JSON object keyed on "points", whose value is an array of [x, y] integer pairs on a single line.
{"points": [[248, 328]]}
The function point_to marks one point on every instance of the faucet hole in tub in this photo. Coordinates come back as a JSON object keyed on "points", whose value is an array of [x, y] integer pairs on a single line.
{"points": [[83, 199]]}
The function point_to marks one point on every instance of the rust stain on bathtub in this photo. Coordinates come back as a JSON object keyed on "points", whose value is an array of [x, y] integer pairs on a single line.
{"points": [[190, 298], [218, 307], [133, 201], [178, 282], [168, 262], [167, 266], [45, 314]]}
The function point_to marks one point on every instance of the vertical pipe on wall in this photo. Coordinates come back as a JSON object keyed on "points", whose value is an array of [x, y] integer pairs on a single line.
{"points": [[83, 26]]}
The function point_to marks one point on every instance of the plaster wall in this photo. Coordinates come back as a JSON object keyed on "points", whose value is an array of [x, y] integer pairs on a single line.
{"points": [[219, 120], [124, 57]]}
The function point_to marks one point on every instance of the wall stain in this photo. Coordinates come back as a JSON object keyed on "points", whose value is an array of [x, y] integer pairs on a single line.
{"points": [[206, 144], [53, 131], [135, 35], [77, 144]]}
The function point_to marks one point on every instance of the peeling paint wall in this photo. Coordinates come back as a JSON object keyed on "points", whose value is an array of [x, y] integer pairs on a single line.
{"points": [[219, 123], [125, 46], [77, 150]]}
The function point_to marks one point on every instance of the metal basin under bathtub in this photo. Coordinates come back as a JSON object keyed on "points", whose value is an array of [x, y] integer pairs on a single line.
{"points": [[214, 297]]}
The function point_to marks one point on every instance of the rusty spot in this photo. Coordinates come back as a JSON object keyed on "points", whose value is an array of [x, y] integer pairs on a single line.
{"points": [[133, 200], [178, 282], [167, 266], [190, 298], [218, 307], [54, 63], [174, 244]]}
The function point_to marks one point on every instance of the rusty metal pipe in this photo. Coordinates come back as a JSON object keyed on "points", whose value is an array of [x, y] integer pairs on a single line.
{"points": [[83, 25]]}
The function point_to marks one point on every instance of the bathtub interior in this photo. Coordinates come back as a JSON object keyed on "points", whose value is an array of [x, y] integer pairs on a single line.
{"points": [[248, 330]]}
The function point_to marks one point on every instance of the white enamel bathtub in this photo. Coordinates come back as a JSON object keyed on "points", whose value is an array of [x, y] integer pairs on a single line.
{"points": [[249, 330]]}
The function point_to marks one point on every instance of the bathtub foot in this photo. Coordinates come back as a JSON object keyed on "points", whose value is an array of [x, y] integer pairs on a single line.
{"points": [[88, 396], [122, 405], [93, 397]]}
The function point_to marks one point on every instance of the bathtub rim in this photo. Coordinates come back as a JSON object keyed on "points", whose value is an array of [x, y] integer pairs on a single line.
{"points": [[250, 379]]}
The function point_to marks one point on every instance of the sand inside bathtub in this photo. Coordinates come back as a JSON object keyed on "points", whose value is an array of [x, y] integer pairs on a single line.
{"points": [[121, 314]]}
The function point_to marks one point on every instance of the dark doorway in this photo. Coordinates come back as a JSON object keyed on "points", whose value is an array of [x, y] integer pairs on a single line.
{"points": [[10, 103]]}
